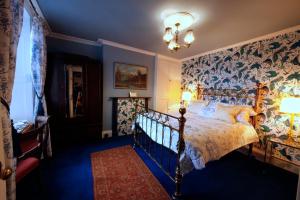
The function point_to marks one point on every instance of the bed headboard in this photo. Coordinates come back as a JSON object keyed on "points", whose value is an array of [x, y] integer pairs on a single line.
{"points": [[239, 96]]}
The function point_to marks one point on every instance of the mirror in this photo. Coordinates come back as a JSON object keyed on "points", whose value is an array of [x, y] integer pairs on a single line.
{"points": [[75, 91]]}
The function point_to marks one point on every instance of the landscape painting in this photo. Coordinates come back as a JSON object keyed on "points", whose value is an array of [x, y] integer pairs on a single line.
{"points": [[129, 76]]}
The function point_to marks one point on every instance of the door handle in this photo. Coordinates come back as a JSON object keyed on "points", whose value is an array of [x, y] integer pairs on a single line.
{"points": [[5, 173]]}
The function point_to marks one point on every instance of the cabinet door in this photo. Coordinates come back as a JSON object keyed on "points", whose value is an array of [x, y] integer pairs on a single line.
{"points": [[94, 99], [83, 125], [55, 87]]}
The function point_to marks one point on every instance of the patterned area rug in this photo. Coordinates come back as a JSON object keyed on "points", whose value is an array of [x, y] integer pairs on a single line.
{"points": [[120, 174]]}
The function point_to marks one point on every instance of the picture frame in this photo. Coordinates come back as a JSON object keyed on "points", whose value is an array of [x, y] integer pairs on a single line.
{"points": [[75, 91], [130, 76]]}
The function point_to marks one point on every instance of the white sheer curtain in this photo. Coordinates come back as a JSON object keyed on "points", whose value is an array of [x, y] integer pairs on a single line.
{"points": [[22, 96]]}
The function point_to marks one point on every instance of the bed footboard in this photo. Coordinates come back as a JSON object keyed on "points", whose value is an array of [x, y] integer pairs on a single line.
{"points": [[153, 133]]}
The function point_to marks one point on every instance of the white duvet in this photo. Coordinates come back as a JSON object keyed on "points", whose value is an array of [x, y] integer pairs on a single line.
{"points": [[205, 139]]}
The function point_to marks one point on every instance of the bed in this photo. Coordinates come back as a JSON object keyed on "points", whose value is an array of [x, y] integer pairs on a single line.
{"points": [[194, 136]]}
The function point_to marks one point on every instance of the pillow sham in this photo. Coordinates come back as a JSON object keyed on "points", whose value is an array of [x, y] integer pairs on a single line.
{"points": [[223, 116], [243, 117], [226, 113], [197, 106], [245, 114], [208, 110]]}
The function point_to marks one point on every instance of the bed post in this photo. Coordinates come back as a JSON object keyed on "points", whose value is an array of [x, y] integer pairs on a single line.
{"points": [[256, 109], [135, 128], [180, 149]]}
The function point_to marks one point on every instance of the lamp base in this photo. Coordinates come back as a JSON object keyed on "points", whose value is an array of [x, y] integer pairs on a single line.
{"points": [[293, 138]]}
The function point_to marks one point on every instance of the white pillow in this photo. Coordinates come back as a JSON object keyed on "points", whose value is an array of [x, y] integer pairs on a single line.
{"points": [[250, 110], [243, 117], [208, 110], [245, 111], [197, 106], [223, 116], [245, 114], [226, 113]]}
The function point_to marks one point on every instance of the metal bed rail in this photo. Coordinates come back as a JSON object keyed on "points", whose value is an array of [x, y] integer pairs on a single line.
{"points": [[159, 123]]}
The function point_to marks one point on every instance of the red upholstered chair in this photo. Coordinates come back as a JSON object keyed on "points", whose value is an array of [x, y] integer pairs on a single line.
{"points": [[31, 148], [25, 167]]}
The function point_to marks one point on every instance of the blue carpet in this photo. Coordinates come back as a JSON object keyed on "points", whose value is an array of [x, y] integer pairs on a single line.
{"points": [[68, 176]]}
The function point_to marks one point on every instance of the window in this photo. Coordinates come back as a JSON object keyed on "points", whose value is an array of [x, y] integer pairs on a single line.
{"points": [[22, 95]]}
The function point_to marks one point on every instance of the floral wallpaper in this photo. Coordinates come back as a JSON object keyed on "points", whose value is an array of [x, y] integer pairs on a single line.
{"points": [[274, 62], [126, 111]]}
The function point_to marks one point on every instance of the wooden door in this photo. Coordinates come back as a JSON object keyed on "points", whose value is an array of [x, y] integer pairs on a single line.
{"points": [[94, 99]]}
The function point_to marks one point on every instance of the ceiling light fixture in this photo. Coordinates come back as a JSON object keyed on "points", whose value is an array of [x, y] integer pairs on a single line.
{"points": [[174, 23]]}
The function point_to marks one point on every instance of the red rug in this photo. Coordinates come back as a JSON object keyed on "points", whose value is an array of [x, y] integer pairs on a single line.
{"points": [[120, 174]]}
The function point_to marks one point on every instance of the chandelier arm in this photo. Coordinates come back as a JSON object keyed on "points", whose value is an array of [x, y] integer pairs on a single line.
{"points": [[173, 42], [177, 32]]}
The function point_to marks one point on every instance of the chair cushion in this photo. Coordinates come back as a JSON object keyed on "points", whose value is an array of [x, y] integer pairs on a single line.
{"points": [[24, 167], [29, 145]]}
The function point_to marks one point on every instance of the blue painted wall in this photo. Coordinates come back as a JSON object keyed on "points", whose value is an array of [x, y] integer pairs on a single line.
{"points": [[111, 55], [108, 55], [64, 46]]}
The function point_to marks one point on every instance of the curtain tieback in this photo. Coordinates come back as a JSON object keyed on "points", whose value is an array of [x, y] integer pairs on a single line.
{"points": [[5, 104], [38, 96]]}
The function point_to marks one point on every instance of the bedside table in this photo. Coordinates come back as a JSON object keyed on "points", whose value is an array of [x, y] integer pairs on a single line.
{"points": [[285, 142]]}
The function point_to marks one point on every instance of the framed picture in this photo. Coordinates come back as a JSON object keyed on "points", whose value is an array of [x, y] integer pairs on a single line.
{"points": [[129, 76]]}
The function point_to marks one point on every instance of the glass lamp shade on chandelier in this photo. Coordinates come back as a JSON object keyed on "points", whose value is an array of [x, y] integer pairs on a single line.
{"points": [[174, 24]]}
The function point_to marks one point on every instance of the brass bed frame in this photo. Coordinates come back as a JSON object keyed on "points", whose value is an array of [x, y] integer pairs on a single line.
{"points": [[140, 137]]}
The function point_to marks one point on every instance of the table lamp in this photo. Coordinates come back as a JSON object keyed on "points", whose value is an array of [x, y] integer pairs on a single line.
{"points": [[186, 97], [290, 105]]}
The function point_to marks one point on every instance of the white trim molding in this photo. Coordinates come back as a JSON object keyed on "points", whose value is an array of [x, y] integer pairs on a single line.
{"points": [[130, 48], [73, 39], [106, 134], [264, 37], [155, 82], [126, 47], [34, 10], [168, 58]]}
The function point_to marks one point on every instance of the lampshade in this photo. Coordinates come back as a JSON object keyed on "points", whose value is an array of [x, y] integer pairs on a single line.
{"points": [[174, 24], [189, 37], [290, 105], [173, 45], [186, 96], [168, 36], [183, 18]]}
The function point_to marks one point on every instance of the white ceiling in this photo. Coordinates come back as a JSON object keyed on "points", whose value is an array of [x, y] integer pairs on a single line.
{"points": [[138, 23]]}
